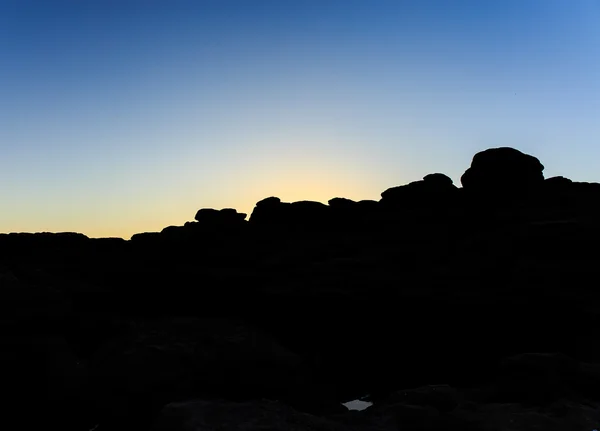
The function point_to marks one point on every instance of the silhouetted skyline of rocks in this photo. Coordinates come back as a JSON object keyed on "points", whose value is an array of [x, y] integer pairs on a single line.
{"points": [[501, 175], [451, 308]]}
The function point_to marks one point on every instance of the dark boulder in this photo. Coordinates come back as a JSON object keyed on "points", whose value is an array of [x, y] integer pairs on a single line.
{"points": [[559, 182], [432, 190], [166, 360], [346, 214], [341, 203], [503, 170], [556, 192], [368, 204], [542, 378], [586, 196], [173, 231], [306, 214], [268, 202], [255, 415], [232, 214], [209, 222], [440, 180], [213, 217], [569, 197], [45, 245], [207, 215], [309, 213], [145, 237], [269, 211]]}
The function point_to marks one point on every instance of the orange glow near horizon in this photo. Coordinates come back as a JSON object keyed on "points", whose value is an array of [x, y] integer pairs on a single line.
{"points": [[153, 212]]}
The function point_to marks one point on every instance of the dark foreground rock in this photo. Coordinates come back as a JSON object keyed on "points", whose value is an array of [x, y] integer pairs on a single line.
{"points": [[159, 361], [256, 415], [261, 415]]}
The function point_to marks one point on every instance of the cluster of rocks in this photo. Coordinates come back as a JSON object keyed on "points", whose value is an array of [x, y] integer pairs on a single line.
{"points": [[497, 177], [448, 308]]}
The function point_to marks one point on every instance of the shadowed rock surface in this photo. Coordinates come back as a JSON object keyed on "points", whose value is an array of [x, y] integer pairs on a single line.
{"points": [[431, 191], [503, 170], [472, 308]]}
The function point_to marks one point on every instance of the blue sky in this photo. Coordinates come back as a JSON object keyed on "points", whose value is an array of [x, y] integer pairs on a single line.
{"points": [[124, 116]]}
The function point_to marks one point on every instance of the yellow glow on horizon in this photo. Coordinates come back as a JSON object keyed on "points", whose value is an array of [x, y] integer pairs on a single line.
{"points": [[123, 221], [290, 166]]}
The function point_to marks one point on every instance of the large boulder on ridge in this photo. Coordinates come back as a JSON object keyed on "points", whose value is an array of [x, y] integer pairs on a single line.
{"points": [[271, 211], [433, 189], [503, 169], [226, 216]]}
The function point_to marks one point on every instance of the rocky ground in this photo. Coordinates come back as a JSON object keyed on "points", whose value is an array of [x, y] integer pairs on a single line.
{"points": [[471, 308]]}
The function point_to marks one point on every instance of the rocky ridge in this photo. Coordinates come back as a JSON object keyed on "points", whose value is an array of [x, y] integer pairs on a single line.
{"points": [[467, 308]]}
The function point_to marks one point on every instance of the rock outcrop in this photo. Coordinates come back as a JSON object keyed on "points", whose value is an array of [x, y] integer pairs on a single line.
{"points": [[449, 308], [431, 192], [503, 171]]}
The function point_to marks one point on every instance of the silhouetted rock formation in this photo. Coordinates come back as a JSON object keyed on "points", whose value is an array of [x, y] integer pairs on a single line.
{"points": [[348, 215], [503, 172], [269, 211], [226, 216], [432, 191], [209, 224], [468, 308], [341, 203], [569, 196], [302, 214], [150, 236]]}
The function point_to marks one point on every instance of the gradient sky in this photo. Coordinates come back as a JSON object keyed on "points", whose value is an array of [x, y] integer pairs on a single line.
{"points": [[124, 116]]}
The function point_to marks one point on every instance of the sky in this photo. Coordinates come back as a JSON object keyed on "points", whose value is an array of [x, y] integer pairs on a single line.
{"points": [[125, 116]]}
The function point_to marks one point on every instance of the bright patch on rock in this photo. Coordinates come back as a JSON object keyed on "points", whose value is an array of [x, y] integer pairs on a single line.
{"points": [[357, 405]]}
